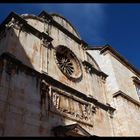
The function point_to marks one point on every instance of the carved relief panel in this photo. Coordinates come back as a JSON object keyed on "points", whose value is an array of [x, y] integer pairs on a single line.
{"points": [[71, 108]]}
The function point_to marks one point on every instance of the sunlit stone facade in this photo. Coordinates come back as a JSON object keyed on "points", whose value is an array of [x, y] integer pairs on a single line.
{"points": [[53, 84]]}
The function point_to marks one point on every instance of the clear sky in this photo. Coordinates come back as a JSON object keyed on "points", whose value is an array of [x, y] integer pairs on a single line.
{"points": [[97, 23]]}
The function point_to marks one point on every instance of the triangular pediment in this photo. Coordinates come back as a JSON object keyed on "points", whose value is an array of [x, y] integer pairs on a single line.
{"points": [[74, 130]]}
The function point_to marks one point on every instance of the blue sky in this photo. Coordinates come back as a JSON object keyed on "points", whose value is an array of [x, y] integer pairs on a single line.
{"points": [[97, 23]]}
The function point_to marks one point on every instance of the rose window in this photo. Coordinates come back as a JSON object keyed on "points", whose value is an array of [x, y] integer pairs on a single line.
{"points": [[65, 64], [68, 62]]}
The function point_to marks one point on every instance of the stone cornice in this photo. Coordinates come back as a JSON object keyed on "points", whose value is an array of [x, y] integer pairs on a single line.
{"points": [[136, 80], [94, 70], [45, 15], [108, 48], [94, 47], [120, 93], [54, 82], [58, 15], [25, 25], [120, 58], [64, 129]]}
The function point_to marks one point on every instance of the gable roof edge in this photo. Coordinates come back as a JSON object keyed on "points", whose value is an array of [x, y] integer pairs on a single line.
{"points": [[120, 58]]}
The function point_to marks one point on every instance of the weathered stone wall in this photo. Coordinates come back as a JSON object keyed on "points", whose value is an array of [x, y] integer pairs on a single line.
{"points": [[20, 103], [111, 85], [39, 25], [124, 78], [102, 123], [50, 67], [120, 77], [30, 50], [26, 47], [65, 24], [22, 109], [126, 118], [25, 110], [25, 113]]}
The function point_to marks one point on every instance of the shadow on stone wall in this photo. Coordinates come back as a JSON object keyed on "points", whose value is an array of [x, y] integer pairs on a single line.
{"points": [[17, 116]]}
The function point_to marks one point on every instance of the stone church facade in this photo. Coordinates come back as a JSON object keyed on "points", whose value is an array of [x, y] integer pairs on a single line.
{"points": [[53, 84]]}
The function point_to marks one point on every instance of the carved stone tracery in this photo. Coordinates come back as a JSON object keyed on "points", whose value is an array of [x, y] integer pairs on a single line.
{"points": [[68, 63]]}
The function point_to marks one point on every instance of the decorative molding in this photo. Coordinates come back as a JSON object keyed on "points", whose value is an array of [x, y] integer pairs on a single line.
{"points": [[22, 67], [58, 15], [15, 23], [90, 69], [45, 15], [72, 129], [26, 16], [73, 109], [120, 93], [136, 80], [18, 22], [107, 48], [94, 47]]}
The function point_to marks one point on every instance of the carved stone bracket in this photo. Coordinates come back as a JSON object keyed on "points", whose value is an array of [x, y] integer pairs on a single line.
{"points": [[18, 22], [10, 23], [47, 20], [93, 108], [111, 113], [46, 43], [91, 70], [88, 68], [14, 23]]}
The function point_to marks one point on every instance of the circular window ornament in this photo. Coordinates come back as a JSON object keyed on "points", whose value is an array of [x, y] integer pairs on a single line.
{"points": [[68, 63]]}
